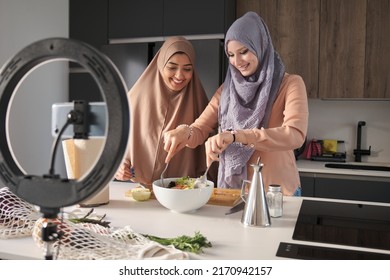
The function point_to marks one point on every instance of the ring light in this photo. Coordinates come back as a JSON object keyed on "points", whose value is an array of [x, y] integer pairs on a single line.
{"points": [[51, 192]]}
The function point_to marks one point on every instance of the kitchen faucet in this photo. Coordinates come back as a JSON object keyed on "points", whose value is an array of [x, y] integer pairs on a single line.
{"points": [[358, 152]]}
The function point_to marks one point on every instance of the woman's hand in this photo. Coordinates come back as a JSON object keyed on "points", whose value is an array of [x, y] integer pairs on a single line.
{"points": [[175, 140], [216, 144], [124, 172]]}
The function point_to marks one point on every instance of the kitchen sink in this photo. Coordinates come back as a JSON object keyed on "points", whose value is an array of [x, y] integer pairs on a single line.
{"points": [[358, 166]]}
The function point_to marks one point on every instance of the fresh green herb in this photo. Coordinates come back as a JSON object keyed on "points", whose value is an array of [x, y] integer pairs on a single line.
{"points": [[85, 219], [194, 244]]}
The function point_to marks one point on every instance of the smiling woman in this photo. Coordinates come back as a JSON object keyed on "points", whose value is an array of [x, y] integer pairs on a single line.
{"points": [[178, 71], [260, 111], [167, 95]]}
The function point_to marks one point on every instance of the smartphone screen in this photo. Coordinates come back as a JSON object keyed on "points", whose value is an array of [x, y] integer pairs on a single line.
{"points": [[97, 119]]}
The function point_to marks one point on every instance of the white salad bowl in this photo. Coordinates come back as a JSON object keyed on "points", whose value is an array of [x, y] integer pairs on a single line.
{"points": [[182, 201]]}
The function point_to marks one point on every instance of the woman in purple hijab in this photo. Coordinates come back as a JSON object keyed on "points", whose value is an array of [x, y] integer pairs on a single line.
{"points": [[259, 111]]}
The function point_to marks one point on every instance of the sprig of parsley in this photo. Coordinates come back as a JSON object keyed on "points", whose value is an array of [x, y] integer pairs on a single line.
{"points": [[193, 244]]}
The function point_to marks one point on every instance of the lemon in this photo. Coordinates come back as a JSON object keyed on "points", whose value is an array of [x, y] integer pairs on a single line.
{"points": [[140, 194]]}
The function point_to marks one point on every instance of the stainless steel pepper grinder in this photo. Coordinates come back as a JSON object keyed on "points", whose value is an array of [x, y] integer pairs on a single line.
{"points": [[256, 211]]}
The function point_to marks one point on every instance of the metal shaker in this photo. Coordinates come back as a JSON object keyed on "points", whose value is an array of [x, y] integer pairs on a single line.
{"points": [[256, 211]]}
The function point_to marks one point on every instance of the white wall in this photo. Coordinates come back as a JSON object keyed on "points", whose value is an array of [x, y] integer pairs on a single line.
{"points": [[338, 120], [23, 22]]}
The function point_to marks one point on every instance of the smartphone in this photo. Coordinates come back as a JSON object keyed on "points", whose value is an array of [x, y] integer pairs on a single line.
{"points": [[97, 119]]}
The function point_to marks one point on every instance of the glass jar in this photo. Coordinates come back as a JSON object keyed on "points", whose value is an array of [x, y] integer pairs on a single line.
{"points": [[275, 201]]}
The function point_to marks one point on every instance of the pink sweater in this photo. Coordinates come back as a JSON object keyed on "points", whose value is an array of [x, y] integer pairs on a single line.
{"points": [[275, 145]]}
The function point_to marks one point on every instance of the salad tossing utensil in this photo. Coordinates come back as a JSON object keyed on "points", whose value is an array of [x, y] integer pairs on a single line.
{"points": [[202, 180], [162, 175]]}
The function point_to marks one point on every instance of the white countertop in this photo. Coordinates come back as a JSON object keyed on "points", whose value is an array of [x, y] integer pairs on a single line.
{"points": [[229, 238], [319, 167]]}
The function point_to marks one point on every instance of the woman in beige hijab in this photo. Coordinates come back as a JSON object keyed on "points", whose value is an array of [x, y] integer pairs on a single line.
{"points": [[168, 94]]}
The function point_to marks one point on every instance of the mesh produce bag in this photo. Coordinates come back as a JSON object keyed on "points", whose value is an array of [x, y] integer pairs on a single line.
{"points": [[17, 217], [87, 241], [78, 241]]}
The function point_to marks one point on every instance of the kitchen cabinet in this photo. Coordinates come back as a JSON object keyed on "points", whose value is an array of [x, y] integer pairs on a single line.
{"points": [[339, 47], [117, 27], [352, 189], [293, 25], [135, 19], [88, 21], [202, 17], [377, 78], [342, 45], [129, 20], [354, 54], [363, 188], [307, 184]]}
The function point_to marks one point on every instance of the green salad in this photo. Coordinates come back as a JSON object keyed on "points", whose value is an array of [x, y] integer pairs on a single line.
{"points": [[182, 183]]}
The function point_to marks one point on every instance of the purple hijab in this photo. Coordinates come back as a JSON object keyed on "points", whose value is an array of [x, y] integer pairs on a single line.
{"points": [[246, 102]]}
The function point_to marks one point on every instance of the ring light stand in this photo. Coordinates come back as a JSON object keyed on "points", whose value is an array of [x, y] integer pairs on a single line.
{"points": [[51, 192]]}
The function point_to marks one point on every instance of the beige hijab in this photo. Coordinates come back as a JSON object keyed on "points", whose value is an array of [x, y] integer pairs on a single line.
{"points": [[154, 109]]}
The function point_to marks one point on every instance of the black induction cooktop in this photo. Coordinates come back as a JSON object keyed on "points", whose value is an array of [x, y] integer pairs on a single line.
{"points": [[351, 224]]}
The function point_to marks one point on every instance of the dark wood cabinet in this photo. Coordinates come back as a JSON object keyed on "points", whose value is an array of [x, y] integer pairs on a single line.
{"points": [[342, 44], [293, 25], [339, 47], [377, 54], [354, 56]]}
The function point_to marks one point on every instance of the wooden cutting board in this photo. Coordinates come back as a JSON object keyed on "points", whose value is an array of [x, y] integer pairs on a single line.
{"points": [[224, 197]]}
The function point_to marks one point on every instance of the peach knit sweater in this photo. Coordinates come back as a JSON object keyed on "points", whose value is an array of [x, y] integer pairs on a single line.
{"points": [[274, 145]]}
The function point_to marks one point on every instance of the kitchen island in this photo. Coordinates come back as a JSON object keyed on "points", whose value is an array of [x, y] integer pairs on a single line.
{"points": [[230, 239]]}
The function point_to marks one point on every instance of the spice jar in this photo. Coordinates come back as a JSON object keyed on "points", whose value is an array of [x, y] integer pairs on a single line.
{"points": [[275, 201]]}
